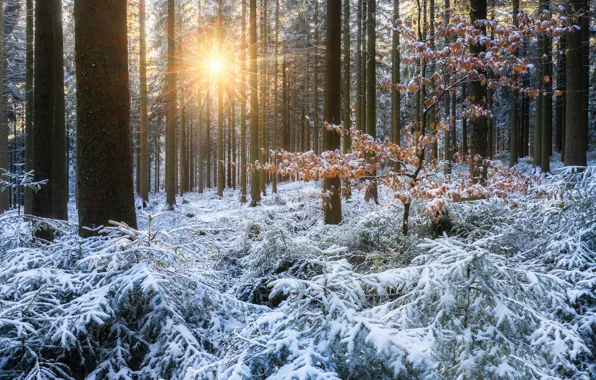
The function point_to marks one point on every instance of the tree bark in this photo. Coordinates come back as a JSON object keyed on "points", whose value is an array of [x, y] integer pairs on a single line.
{"points": [[243, 173], [29, 104], [395, 79], [315, 87], [3, 125], [144, 159], [275, 144], [255, 189], [171, 110], [371, 72], [331, 138], [44, 97], [347, 114], [575, 121], [478, 124], [103, 109]]}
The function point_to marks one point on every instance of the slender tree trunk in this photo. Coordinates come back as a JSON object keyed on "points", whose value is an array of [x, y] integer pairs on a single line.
{"points": [[255, 189], [3, 125], [347, 117], [103, 108], [29, 104], [200, 148], [264, 85], [315, 87], [478, 124], [144, 159], [560, 100], [208, 147], [220, 129], [395, 79], [547, 98], [538, 117], [575, 122], [244, 46], [513, 95], [275, 144], [171, 110], [371, 72], [464, 121], [364, 68], [359, 64], [331, 138], [59, 148], [285, 115]]}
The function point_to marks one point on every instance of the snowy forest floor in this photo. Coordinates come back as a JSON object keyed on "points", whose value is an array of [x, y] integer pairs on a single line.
{"points": [[218, 289]]}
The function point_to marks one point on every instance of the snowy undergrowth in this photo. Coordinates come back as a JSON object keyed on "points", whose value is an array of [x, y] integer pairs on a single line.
{"points": [[218, 290]]}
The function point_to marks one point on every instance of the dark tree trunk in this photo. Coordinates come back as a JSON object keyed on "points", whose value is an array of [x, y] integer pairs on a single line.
{"points": [[315, 88], [395, 79], [331, 138], [29, 105], [103, 109], [359, 64], [171, 110], [208, 178], [371, 72], [347, 114], [44, 97], [243, 173], [275, 144], [513, 95], [560, 100], [575, 120], [478, 124], [144, 159], [3, 125], [220, 106], [255, 187]]}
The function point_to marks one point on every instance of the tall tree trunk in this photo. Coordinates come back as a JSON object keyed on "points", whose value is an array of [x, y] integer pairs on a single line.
{"points": [[171, 110], [208, 147], [395, 79], [244, 46], [103, 109], [464, 121], [44, 97], [220, 130], [264, 85], [29, 104], [347, 114], [285, 105], [359, 64], [200, 146], [575, 121], [59, 148], [371, 72], [364, 68], [315, 87], [144, 159], [547, 98], [3, 125], [478, 124], [275, 144], [560, 100], [331, 138], [513, 95], [255, 188], [538, 116]]}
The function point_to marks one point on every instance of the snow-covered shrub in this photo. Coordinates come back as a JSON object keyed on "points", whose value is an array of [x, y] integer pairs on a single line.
{"points": [[123, 305]]}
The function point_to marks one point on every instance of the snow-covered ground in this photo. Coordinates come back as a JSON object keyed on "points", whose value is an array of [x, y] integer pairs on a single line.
{"points": [[218, 289]]}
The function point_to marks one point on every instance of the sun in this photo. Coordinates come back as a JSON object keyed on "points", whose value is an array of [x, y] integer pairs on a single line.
{"points": [[216, 65]]}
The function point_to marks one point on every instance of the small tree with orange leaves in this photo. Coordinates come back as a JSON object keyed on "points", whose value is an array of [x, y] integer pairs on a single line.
{"points": [[414, 172]]}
